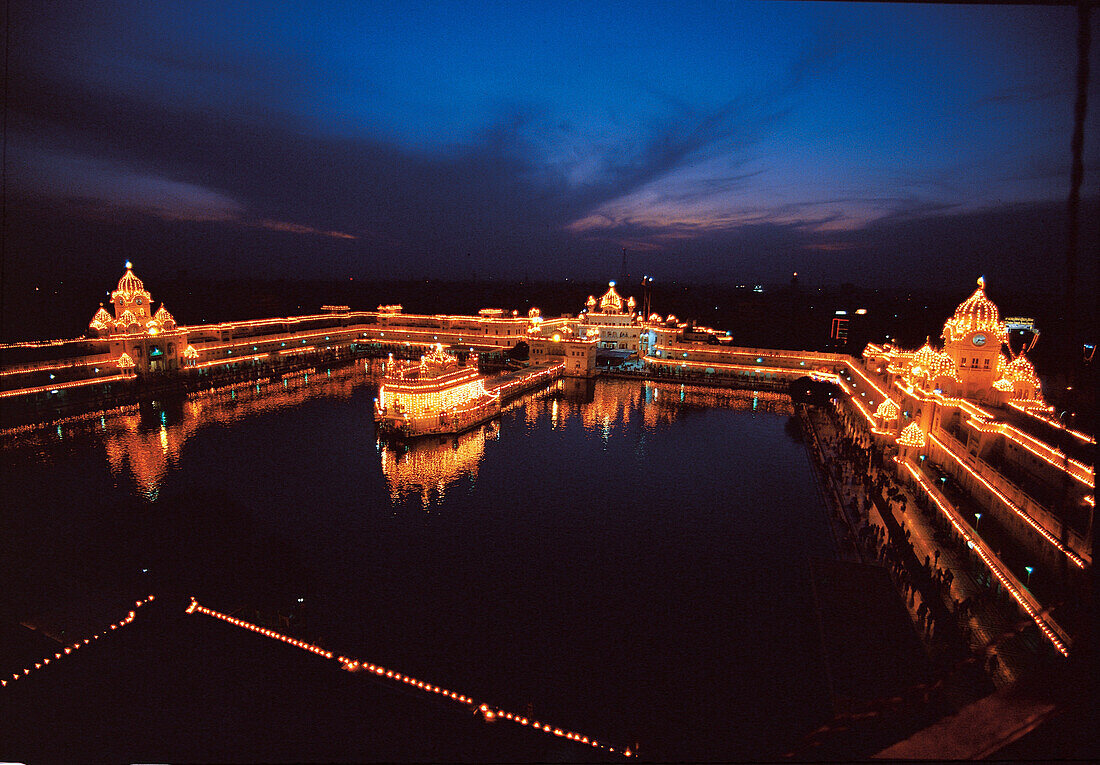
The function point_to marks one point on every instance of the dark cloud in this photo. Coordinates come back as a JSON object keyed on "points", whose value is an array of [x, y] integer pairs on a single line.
{"points": [[197, 161]]}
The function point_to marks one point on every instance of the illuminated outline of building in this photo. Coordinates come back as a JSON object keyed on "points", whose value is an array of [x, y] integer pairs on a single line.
{"points": [[981, 412]]}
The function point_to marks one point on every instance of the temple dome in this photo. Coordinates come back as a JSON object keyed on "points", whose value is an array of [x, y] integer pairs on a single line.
{"points": [[976, 314], [1021, 370], [911, 436], [611, 302], [942, 365], [922, 360], [101, 320], [887, 410], [163, 318], [129, 284]]}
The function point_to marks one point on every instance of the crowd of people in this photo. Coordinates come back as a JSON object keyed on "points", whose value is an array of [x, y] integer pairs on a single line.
{"points": [[878, 529]]}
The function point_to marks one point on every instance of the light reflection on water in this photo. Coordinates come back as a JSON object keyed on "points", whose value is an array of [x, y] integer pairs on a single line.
{"points": [[147, 445], [423, 470], [628, 542]]}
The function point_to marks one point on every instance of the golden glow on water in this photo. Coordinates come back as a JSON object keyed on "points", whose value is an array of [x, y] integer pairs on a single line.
{"points": [[429, 466], [148, 453], [425, 469]]}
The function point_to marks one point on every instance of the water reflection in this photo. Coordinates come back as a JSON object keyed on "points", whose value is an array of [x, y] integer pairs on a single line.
{"points": [[609, 406], [147, 441], [426, 468]]}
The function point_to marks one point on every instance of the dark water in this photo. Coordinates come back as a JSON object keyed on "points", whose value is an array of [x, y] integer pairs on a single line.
{"points": [[625, 559]]}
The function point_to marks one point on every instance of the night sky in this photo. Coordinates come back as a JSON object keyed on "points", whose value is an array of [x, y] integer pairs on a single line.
{"points": [[888, 145]]}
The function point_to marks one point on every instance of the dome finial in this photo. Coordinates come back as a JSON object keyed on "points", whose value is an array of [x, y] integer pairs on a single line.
{"points": [[129, 264], [981, 282]]}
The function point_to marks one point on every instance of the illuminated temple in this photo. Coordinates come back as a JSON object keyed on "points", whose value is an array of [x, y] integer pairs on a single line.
{"points": [[434, 395], [963, 407]]}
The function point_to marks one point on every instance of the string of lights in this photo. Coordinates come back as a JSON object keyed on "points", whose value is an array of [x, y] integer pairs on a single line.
{"points": [[102, 359], [64, 386], [1075, 469], [1020, 512], [487, 711], [1035, 411], [71, 419], [1031, 608], [982, 420], [67, 650]]}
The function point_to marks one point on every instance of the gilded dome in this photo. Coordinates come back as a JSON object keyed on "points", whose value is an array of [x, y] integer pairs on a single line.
{"points": [[976, 314]]}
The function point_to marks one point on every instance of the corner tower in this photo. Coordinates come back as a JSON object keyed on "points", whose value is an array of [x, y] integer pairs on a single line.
{"points": [[973, 338], [131, 296]]}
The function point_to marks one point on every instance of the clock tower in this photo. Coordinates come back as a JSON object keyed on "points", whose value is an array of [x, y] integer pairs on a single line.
{"points": [[973, 338]]}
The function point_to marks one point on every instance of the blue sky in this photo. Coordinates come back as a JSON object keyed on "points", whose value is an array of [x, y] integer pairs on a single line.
{"points": [[712, 139]]}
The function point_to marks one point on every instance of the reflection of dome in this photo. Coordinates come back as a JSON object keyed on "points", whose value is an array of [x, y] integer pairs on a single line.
{"points": [[976, 314], [911, 436], [887, 410]]}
